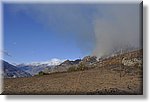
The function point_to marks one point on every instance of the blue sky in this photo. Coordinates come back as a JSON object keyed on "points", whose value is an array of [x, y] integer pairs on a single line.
{"points": [[28, 38], [40, 32]]}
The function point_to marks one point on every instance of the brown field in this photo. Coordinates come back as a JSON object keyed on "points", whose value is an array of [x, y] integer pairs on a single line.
{"points": [[93, 81]]}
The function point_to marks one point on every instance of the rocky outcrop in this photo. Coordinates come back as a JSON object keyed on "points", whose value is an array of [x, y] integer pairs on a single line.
{"points": [[132, 62], [89, 60]]}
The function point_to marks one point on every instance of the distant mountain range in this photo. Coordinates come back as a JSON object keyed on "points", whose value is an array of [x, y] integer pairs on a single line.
{"points": [[31, 69], [57, 65], [64, 66], [11, 71], [36, 67], [54, 65], [88, 61]]}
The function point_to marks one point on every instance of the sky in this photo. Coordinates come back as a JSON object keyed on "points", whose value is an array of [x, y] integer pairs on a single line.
{"points": [[40, 32], [27, 38]]}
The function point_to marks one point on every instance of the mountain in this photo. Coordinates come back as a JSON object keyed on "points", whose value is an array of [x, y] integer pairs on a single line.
{"points": [[51, 62], [36, 67], [11, 71], [64, 66], [87, 61]]}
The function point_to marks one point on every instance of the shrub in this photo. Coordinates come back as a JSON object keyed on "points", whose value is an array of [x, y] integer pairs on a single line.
{"points": [[72, 69], [80, 67], [42, 73]]}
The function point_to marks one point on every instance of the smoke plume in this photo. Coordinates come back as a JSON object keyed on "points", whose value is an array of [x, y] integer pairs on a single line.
{"points": [[119, 28]]}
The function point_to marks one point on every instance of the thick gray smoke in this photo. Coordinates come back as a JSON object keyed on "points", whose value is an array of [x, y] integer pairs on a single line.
{"points": [[119, 28], [100, 28]]}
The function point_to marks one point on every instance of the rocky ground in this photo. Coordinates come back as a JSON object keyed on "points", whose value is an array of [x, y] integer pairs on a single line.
{"points": [[94, 81]]}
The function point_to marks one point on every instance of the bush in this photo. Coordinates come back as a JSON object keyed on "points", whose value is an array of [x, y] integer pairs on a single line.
{"points": [[42, 73], [72, 69], [80, 67]]}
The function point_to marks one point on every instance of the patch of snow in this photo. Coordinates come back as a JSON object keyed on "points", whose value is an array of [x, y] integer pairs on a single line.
{"points": [[52, 62]]}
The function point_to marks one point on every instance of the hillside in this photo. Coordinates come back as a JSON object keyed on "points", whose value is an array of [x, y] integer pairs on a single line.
{"points": [[120, 74], [11, 71]]}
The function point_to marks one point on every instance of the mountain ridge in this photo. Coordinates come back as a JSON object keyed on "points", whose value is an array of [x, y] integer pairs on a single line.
{"points": [[11, 71], [35, 67]]}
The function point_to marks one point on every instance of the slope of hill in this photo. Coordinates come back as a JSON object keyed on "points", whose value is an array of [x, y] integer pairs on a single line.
{"points": [[11, 71], [93, 81], [120, 74]]}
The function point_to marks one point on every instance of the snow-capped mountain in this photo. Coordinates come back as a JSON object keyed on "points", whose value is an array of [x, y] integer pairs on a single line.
{"points": [[35, 67], [51, 62]]}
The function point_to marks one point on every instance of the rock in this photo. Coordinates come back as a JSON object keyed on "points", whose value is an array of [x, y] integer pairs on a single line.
{"points": [[89, 59]]}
